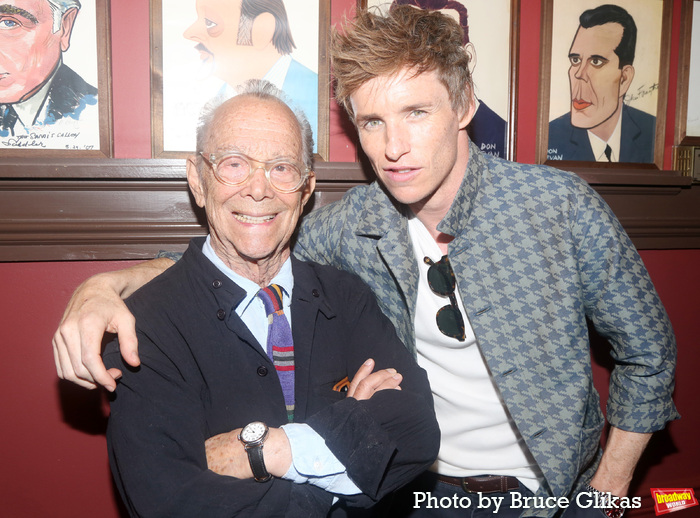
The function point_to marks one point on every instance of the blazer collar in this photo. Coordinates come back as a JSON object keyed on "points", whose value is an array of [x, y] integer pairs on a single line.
{"points": [[457, 217], [308, 289]]}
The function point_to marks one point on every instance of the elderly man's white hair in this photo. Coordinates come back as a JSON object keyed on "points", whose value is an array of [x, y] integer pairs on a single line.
{"points": [[59, 7], [263, 90]]}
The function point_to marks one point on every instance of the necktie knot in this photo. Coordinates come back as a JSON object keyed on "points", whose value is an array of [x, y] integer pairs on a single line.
{"points": [[272, 297]]}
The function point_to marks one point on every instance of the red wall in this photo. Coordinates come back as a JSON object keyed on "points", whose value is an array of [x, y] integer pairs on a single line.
{"points": [[52, 446], [52, 449]]}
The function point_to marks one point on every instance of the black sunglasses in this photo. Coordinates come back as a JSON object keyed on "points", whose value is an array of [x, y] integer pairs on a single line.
{"points": [[441, 279]]}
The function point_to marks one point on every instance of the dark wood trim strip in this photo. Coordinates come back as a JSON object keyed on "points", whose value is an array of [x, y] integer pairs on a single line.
{"points": [[146, 206]]}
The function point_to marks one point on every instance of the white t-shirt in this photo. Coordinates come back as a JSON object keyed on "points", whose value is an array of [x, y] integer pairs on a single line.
{"points": [[478, 435]]}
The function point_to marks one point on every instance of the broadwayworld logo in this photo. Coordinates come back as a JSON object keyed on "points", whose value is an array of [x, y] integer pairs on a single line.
{"points": [[669, 500]]}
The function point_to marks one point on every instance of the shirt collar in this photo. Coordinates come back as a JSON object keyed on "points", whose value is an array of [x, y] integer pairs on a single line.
{"points": [[284, 277]]}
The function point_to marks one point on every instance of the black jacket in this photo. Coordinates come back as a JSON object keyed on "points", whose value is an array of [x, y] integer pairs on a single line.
{"points": [[203, 373]]}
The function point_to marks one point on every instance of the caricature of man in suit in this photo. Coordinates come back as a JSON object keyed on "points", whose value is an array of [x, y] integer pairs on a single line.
{"points": [[36, 88], [600, 126], [487, 129], [251, 39]]}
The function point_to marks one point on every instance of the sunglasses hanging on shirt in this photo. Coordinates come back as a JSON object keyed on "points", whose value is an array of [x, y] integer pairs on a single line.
{"points": [[441, 279]]}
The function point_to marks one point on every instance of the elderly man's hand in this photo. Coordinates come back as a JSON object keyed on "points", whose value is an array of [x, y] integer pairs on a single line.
{"points": [[227, 456], [366, 383]]}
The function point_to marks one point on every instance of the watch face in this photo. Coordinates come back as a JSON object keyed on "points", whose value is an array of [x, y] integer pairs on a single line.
{"points": [[253, 432]]}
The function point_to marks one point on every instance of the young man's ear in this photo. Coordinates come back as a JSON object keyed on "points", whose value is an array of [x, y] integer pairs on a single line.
{"points": [[466, 113]]}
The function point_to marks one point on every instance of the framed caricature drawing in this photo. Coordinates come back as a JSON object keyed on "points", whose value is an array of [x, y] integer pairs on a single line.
{"points": [[490, 37], [604, 79], [203, 49], [54, 79]]}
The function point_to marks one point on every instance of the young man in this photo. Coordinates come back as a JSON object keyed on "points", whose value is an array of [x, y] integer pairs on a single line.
{"points": [[489, 271]]}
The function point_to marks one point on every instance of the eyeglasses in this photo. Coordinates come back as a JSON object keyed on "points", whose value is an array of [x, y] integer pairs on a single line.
{"points": [[236, 168], [441, 279]]}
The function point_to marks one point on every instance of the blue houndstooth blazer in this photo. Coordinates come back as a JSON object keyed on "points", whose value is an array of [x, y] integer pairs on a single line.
{"points": [[536, 253]]}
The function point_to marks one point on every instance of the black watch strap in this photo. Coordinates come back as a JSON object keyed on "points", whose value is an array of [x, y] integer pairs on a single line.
{"points": [[257, 463]]}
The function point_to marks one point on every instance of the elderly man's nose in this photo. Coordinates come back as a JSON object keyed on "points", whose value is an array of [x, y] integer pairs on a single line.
{"points": [[258, 185]]}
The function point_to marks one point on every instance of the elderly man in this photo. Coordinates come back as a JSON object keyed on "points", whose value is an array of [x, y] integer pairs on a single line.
{"points": [[600, 126], [220, 363], [252, 39], [36, 88], [490, 272]]}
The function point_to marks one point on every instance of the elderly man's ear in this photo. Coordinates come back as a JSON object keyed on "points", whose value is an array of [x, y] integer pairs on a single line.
{"points": [[308, 189], [195, 181]]}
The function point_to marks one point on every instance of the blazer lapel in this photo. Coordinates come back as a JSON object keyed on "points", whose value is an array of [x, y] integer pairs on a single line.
{"points": [[383, 223]]}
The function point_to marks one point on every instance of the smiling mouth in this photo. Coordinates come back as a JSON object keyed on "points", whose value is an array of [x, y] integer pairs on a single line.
{"points": [[580, 104], [253, 220]]}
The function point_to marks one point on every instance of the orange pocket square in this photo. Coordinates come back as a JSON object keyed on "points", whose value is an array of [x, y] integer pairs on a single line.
{"points": [[342, 385]]}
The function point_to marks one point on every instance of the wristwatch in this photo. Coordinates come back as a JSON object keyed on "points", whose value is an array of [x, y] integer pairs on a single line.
{"points": [[610, 501], [253, 437]]}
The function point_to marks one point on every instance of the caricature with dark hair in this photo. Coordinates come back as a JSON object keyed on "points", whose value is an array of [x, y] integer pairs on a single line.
{"points": [[487, 129], [600, 126], [254, 42]]}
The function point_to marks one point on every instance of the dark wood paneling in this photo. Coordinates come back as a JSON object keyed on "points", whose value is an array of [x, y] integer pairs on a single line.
{"points": [[130, 209]]}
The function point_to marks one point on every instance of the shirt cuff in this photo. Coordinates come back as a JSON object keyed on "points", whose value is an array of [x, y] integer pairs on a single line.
{"points": [[314, 463]]}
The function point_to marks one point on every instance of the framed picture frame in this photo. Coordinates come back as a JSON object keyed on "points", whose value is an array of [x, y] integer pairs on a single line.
{"points": [[61, 105], [602, 97], [688, 106], [197, 55], [494, 50]]}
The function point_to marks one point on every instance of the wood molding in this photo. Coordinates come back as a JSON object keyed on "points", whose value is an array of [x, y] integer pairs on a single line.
{"points": [[131, 209]]}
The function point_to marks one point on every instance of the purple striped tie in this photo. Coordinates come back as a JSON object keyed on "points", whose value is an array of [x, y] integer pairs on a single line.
{"points": [[280, 344]]}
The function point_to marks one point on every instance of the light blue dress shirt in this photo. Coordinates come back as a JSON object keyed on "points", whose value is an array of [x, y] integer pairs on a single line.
{"points": [[312, 461]]}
